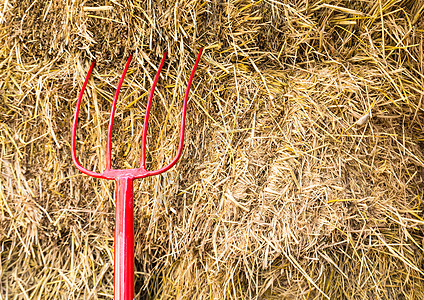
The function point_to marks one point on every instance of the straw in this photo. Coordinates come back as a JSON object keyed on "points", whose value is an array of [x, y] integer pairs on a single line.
{"points": [[302, 171]]}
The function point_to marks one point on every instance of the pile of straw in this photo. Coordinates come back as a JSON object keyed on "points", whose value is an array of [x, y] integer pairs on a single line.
{"points": [[302, 173]]}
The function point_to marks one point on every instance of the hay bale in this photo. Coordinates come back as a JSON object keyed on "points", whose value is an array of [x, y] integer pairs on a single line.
{"points": [[302, 174]]}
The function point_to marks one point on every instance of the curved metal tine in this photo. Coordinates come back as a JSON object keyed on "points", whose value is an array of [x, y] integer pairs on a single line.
{"points": [[74, 129], [183, 118], [112, 115], [146, 116]]}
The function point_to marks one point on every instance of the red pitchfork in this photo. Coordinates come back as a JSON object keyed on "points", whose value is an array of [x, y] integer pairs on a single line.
{"points": [[124, 218]]}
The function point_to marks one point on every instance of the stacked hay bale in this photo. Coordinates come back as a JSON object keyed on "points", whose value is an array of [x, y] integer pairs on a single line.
{"points": [[302, 174]]}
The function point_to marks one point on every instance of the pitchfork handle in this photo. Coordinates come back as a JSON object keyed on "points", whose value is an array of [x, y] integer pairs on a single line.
{"points": [[124, 240]]}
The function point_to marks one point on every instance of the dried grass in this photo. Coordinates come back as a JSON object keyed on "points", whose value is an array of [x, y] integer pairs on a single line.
{"points": [[302, 174]]}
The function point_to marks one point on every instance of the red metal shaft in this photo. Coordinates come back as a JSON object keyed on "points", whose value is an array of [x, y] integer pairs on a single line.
{"points": [[124, 240]]}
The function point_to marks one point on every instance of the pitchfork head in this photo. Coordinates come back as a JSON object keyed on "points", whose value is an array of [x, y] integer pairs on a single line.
{"points": [[140, 172]]}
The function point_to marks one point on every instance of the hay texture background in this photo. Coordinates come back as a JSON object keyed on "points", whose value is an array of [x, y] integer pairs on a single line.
{"points": [[302, 173]]}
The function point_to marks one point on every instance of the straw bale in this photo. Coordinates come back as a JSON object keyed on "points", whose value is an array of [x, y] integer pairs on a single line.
{"points": [[302, 173]]}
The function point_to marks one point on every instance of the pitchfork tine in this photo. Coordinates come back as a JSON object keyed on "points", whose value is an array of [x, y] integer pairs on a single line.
{"points": [[112, 115], [74, 128], [146, 116]]}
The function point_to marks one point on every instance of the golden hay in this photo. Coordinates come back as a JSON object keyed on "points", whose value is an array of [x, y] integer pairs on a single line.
{"points": [[302, 174]]}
